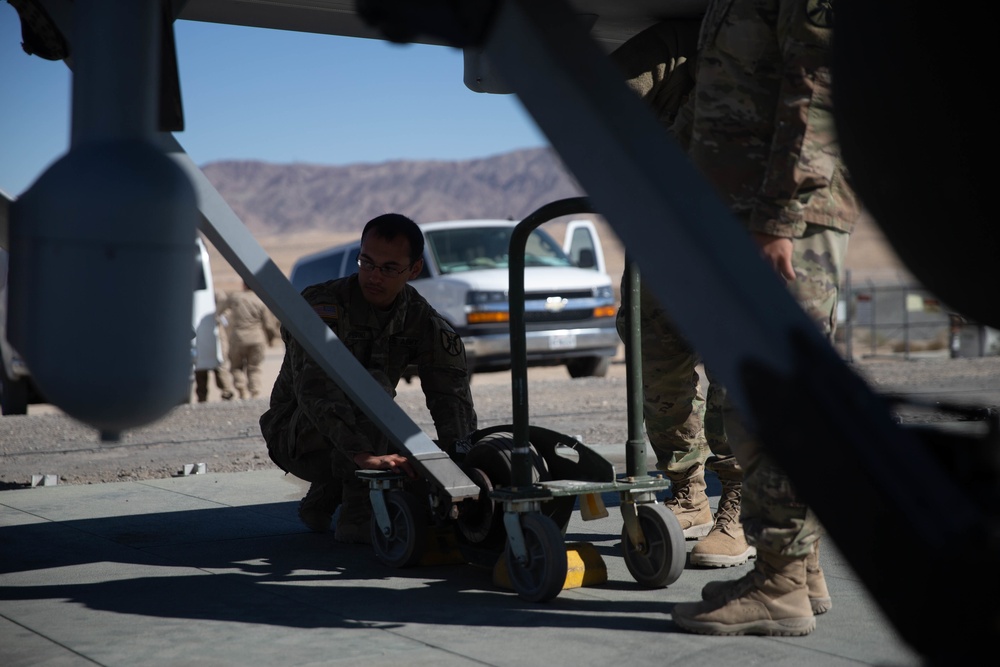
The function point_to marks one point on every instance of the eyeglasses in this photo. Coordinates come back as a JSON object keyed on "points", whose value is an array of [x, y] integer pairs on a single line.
{"points": [[387, 271]]}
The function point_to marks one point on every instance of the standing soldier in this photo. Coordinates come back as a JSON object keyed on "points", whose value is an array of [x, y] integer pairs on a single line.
{"points": [[251, 328], [761, 131], [659, 65]]}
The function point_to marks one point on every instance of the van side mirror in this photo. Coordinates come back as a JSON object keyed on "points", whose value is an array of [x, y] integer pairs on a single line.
{"points": [[586, 259]]}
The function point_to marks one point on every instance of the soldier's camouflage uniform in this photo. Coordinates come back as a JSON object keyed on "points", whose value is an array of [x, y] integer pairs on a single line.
{"points": [[759, 126], [252, 327], [683, 425], [313, 430]]}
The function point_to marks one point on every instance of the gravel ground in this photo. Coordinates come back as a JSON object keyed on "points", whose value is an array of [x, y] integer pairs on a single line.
{"points": [[225, 436]]}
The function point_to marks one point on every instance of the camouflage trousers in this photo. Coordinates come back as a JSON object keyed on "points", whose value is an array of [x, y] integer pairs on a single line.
{"points": [[680, 424]]}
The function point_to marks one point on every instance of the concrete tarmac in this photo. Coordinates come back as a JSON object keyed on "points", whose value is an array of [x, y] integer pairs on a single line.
{"points": [[215, 569]]}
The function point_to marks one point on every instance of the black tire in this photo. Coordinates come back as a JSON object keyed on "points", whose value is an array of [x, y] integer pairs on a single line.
{"points": [[660, 561], [543, 575], [588, 367], [492, 456], [406, 542]]}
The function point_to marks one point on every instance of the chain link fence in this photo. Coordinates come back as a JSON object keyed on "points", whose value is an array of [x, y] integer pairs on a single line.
{"points": [[896, 318]]}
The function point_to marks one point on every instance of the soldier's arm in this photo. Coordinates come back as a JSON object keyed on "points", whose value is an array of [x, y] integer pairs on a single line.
{"points": [[803, 147], [444, 379]]}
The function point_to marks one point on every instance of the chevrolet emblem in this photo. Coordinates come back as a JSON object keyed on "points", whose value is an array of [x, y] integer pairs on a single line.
{"points": [[554, 304]]}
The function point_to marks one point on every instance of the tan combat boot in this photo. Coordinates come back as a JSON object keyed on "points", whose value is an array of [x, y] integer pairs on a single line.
{"points": [[689, 502], [819, 597], [725, 545], [772, 600]]}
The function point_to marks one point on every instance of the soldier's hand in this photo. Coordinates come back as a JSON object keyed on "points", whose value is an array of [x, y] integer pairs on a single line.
{"points": [[777, 252], [391, 462]]}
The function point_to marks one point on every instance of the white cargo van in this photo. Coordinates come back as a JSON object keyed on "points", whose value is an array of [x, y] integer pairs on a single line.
{"points": [[569, 310]]}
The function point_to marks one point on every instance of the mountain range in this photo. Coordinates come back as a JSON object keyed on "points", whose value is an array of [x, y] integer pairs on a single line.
{"points": [[282, 198], [296, 209]]}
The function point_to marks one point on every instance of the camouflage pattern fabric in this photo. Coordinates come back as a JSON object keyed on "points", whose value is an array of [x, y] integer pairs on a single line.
{"points": [[681, 424], [759, 126], [309, 413], [762, 126], [761, 129], [773, 518]]}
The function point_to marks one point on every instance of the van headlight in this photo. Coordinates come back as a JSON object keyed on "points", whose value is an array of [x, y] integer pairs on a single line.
{"points": [[604, 292], [486, 307], [476, 298]]}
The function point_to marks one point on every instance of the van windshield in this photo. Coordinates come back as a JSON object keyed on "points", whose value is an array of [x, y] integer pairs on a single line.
{"points": [[476, 248]]}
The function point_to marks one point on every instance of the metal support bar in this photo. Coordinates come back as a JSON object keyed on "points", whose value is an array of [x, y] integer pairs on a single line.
{"points": [[521, 457], [635, 446]]}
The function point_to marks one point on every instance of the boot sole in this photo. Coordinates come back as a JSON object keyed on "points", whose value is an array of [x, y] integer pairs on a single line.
{"points": [[718, 560], [789, 627]]}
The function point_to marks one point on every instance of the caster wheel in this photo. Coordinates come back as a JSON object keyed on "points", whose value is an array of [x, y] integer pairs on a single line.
{"points": [[660, 561], [407, 538], [543, 574]]}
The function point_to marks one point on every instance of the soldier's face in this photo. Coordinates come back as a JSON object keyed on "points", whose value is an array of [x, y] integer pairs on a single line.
{"points": [[385, 268]]}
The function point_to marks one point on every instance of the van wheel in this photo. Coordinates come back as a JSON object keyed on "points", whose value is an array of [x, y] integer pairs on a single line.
{"points": [[588, 367]]}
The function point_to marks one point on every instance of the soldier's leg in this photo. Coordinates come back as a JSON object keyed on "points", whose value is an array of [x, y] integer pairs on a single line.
{"points": [[315, 465], [254, 360], [236, 367], [673, 410], [726, 544], [201, 385], [354, 519], [787, 578]]}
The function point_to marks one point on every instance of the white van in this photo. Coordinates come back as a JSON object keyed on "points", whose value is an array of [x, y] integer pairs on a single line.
{"points": [[569, 308], [207, 346]]}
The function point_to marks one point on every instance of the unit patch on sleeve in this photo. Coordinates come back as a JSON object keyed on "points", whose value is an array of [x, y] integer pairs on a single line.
{"points": [[820, 13], [451, 342]]}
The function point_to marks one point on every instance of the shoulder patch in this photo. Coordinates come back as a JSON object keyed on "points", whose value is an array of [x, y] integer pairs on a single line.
{"points": [[451, 342], [820, 13], [328, 312]]}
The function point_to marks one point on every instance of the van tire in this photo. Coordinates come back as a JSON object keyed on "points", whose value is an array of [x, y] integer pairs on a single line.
{"points": [[588, 367]]}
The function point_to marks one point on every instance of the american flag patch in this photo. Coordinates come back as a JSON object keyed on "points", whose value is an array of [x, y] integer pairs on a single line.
{"points": [[326, 311]]}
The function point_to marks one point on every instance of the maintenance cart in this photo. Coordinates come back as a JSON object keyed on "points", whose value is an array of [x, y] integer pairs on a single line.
{"points": [[530, 478]]}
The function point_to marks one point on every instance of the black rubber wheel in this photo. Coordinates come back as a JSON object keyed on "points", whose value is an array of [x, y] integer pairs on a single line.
{"points": [[543, 574], [491, 456], [407, 539], [660, 561]]}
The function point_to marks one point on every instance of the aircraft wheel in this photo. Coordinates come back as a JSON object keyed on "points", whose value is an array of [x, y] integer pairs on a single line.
{"points": [[660, 561], [407, 538], [542, 575]]}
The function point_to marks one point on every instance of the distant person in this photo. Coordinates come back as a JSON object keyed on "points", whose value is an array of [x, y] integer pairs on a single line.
{"points": [[252, 328], [223, 378], [314, 431]]}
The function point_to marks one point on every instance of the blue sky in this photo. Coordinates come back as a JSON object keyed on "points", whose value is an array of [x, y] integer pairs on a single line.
{"points": [[277, 96]]}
